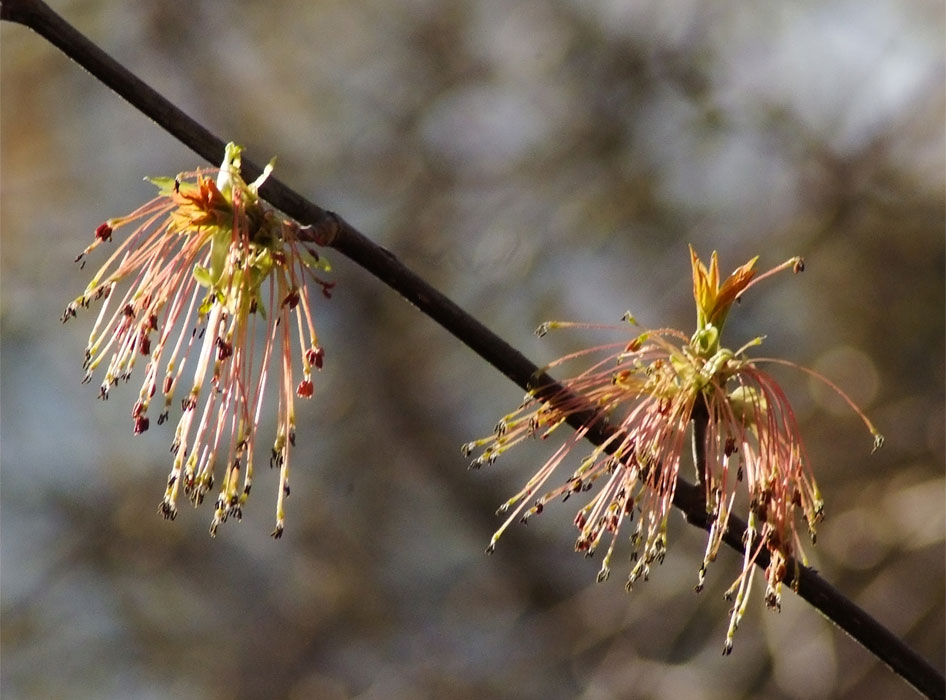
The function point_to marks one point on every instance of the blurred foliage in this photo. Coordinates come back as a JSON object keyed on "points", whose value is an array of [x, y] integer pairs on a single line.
{"points": [[533, 160]]}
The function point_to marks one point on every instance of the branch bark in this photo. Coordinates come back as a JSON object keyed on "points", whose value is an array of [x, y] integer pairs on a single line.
{"points": [[329, 229]]}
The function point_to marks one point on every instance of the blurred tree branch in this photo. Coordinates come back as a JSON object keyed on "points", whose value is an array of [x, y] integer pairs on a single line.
{"points": [[331, 230]]}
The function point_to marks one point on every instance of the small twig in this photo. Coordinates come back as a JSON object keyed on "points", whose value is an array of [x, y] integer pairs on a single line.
{"points": [[331, 230]]}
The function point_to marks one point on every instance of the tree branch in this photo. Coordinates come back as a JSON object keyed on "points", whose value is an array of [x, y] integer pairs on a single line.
{"points": [[331, 230]]}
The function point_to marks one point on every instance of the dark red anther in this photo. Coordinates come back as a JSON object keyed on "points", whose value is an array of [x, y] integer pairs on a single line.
{"points": [[129, 311], [141, 424], [153, 322], [538, 507], [799, 265], [136, 409], [144, 344], [224, 348], [326, 288], [103, 232], [315, 356], [168, 383], [730, 447], [580, 520], [292, 299], [305, 389]]}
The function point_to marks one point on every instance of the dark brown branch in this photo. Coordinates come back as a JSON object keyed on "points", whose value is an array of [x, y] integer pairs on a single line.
{"points": [[331, 230]]}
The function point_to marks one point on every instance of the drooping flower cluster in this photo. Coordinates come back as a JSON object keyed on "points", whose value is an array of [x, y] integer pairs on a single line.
{"points": [[645, 393], [207, 269]]}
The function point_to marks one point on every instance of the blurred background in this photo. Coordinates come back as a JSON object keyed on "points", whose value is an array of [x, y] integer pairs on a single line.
{"points": [[537, 160]]}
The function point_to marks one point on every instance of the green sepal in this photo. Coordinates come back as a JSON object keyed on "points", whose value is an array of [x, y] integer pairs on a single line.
{"points": [[254, 186], [748, 404], [219, 247], [706, 340], [165, 185], [203, 276], [313, 262], [206, 305]]}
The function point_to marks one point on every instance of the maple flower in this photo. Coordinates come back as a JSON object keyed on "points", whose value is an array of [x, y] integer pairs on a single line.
{"points": [[644, 393], [207, 270]]}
